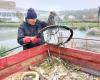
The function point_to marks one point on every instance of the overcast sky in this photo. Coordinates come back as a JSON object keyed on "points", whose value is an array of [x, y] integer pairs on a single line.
{"points": [[58, 4]]}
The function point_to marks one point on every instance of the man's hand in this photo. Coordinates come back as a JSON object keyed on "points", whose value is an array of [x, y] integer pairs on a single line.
{"points": [[26, 40], [35, 39]]}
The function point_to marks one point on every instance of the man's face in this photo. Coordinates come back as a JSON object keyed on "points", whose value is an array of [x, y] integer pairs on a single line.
{"points": [[31, 21]]}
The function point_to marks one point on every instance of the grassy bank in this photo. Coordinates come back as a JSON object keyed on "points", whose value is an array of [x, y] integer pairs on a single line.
{"points": [[81, 25], [3, 49], [10, 24]]}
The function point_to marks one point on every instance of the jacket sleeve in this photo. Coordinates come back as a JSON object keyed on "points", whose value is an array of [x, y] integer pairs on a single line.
{"points": [[21, 35]]}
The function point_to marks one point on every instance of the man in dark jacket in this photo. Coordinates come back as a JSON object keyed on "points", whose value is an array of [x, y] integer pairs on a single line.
{"points": [[28, 30]]}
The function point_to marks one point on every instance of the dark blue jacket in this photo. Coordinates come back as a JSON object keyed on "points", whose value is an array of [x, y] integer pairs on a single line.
{"points": [[26, 29]]}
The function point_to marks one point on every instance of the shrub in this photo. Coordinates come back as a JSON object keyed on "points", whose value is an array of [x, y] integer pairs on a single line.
{"points": [[3, 49]]}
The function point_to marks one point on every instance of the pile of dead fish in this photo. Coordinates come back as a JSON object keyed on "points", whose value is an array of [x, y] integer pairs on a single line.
{"points": [[55, 69]]}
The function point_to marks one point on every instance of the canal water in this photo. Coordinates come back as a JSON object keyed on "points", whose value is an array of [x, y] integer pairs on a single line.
{"points": [[8, 36]]}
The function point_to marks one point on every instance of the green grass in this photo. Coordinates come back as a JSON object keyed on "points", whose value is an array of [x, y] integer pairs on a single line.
{"points": [[9, 24], [3, 49], [82, 28], [90, 25], [81, 25]]}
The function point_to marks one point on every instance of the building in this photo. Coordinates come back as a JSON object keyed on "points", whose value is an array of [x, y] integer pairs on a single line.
{"points": [[7, 4], [9, 12]]}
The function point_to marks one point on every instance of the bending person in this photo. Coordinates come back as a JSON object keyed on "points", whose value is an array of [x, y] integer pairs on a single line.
{"points": [[28, 30]]}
